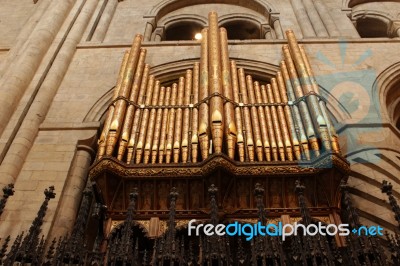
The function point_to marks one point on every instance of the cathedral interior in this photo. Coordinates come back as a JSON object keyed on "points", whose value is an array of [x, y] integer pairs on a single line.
{"points": [[138, 118]]}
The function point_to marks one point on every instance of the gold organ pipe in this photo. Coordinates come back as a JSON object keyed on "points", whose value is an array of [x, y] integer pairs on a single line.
{"points": [[298, 124], [132, 144], [145, 121], [203, 93], [254, 118], [186, 114], [263, 122], [171, 124], [120, 105], [238, 115], [312, 100], [195, 112], [215, 83], [229, 114], [178, 121], [161, 122], [282, 94], [322, 104], [157, 98], [308, 124], [270, 124], [164, 125], [127, 125], [246, 114], [275, 119], [107, 122]]}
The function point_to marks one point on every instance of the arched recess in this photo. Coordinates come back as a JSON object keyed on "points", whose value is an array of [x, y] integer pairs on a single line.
{"points": [[100, 107], [242, 27], [371, 24], [353, 3], [263, 10], [167, 6], [388, 93], [180, 27]]}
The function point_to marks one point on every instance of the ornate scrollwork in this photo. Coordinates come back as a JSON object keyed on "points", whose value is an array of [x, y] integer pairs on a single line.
{"points": [[219, 161]]}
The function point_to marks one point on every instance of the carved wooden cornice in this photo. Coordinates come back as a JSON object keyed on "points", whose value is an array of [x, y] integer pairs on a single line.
{"points": [[217, 161]]}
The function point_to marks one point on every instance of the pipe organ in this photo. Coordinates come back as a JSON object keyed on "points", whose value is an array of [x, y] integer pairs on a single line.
{"points": [[217, 124], [217, 108]]}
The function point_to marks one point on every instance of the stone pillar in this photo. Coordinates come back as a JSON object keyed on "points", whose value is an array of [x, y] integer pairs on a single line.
{"points": [[105, 21], [326, 17], [23, 36], [315, 19], [150, 25], [303, 19], [71, 195], [278, 28], [21, 72], [158, 34], [28, 131], [267, 32], [394, 29]]}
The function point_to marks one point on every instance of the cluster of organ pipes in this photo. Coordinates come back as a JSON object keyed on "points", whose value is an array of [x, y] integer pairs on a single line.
{"points": [[217, 108]]}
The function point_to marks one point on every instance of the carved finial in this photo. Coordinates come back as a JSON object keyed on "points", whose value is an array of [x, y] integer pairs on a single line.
{"points": [[7, 192], [212, 191], [387, 188], [299, 190], [259, 193]]}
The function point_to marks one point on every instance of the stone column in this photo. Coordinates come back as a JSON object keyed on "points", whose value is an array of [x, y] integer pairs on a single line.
{"points": [[71, 195], [394, 29], [28, 131], [315, 19], [150, 25], [158, 34], [303, 19], [278, 28], [24, 34], [105, 21], [326, 17], [267, 32], [14, 84]]}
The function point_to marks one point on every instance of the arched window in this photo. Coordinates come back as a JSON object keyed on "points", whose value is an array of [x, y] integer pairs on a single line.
{"points": [[393, 104], [182, 31], [369, 27], [175, 20], [242, 30]]}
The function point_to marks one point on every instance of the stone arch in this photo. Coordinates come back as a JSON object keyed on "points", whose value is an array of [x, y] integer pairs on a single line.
{"points": [[182, 27], [388, 93], [98, 110], [245, 26], [371, 23], [155, 31], [235, 16], [336, 109], [164, 7], [166, 24], [194, 18], [353, 3]]}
